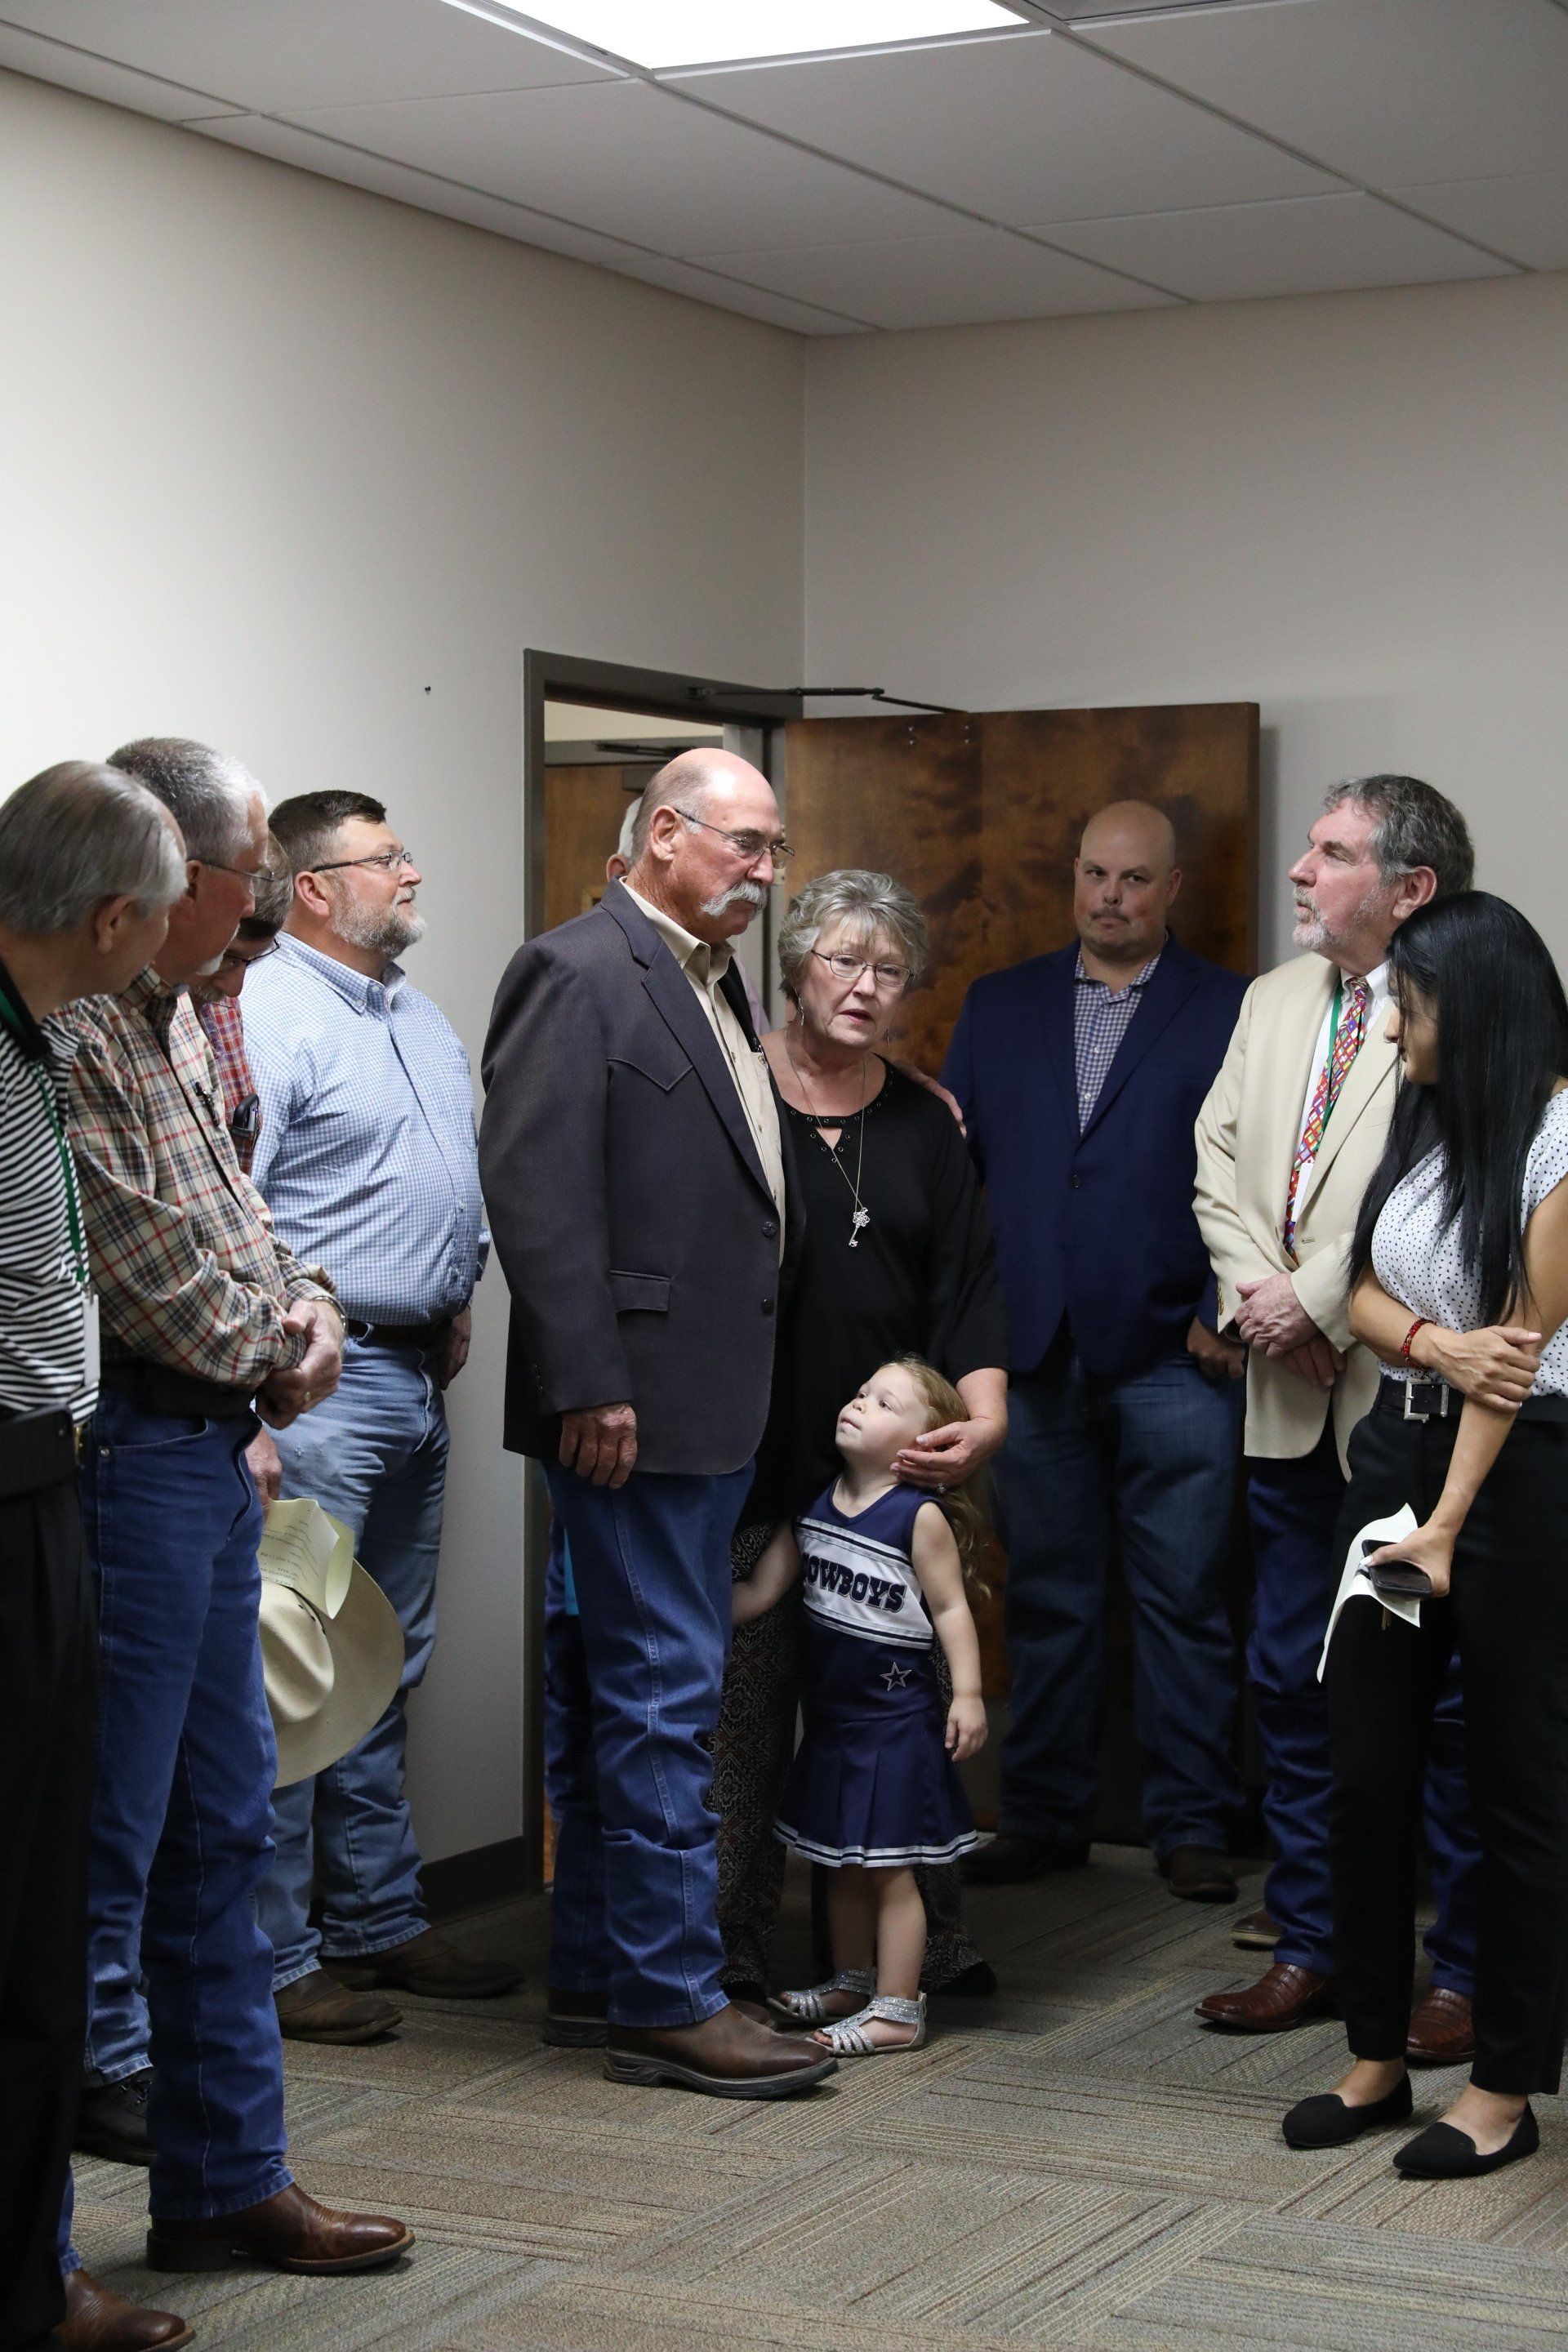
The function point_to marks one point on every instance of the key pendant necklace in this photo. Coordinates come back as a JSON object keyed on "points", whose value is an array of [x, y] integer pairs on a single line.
{"points": [[862, 1216]]}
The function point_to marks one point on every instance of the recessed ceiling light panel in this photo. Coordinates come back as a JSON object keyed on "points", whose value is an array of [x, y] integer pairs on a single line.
{"points": [[663, 32]]}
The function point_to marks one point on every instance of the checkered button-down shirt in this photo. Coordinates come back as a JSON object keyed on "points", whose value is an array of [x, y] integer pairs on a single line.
{"points": [[187, 1270], [225, 1027], [1101, 1017]]}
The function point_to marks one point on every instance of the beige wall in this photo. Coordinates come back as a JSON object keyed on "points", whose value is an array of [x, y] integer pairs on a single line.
{"points": [[1351, 509], [278, 458]]}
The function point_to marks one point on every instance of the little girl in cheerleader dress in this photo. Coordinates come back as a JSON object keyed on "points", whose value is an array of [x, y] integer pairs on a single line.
{"points": [[872, 1789]]}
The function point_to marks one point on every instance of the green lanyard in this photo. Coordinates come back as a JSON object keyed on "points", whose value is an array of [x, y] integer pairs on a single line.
{"points": [[68, 1165]]}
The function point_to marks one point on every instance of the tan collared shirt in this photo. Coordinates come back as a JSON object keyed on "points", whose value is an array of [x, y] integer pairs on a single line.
{"points": [[705, 967]]}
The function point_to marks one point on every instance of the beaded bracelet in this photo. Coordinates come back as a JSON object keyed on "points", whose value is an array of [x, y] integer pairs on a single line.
{"points": [[1420, 1322]]}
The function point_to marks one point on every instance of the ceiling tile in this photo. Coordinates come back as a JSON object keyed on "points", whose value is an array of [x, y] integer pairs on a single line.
{"points": [[285, 142], [278, 56], [1313, 245], [637, 163], [72, 69], [1523, 215], [1388, 91], [332, 159], [733, 293], [1024, 128], [939, 281]]}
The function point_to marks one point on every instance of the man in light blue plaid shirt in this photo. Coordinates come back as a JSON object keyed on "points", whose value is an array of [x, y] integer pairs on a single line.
{"points": [[367, 1146]]}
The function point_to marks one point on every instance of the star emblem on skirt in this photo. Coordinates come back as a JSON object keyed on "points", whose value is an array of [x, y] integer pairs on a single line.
{"points": [[896, 1676]]}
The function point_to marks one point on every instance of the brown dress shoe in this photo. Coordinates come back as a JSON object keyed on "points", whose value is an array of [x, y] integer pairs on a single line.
{"points": [[1442, 2030], [316, 2008], [575, 2020], [290, 2232], [99, 2320], [728, 2055], [428, 1963], [1199, 1875], [1282, 1997], [1258, 1932]]}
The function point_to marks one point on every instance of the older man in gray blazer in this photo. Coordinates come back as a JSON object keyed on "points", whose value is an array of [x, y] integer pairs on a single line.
{"points": [[635, 1170]]}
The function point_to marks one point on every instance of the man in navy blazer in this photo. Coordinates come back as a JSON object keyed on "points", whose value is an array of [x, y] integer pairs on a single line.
{"points": [[1081, 1075]]}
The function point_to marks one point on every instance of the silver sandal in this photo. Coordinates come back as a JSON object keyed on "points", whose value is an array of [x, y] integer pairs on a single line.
{"points": [[810, 2008], [847, 2036]]}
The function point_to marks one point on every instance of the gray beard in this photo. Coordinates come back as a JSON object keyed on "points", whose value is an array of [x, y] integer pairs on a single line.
{"points": [[739, 893], [390, 933]]}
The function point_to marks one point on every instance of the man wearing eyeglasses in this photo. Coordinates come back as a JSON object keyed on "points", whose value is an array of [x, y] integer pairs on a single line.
{"points": [[637, 1178], [366, 1157], [215, 996]]}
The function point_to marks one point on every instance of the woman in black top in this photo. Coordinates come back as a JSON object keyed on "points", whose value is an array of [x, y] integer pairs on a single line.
{"points": [[898, 1259]]}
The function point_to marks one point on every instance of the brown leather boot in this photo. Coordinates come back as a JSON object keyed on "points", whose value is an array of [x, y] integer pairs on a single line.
{"points": [[1282, 1997], [316, 2008], [1199, 1875], [290, 2232], [727, 2056], [99, 2320], [430, 1963], [1442, 2030]]}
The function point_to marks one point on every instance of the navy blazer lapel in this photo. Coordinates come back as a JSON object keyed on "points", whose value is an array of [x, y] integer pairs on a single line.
{"points": [[1173, 979], [1057, 1026], [676, 999]]}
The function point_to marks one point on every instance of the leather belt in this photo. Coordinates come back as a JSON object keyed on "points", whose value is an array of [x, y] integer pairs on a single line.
{"points": [[1435, 1401], [400, 1335], [158, 1388]]}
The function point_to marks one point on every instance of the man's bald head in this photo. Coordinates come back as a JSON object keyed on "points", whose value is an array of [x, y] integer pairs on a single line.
{"points": [[703, 840], [1124, 879]]}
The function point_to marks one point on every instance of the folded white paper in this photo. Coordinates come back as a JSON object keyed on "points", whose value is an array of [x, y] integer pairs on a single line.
{"points": [[1356, 1584]]}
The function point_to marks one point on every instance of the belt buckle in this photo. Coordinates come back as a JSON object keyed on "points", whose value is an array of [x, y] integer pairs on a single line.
{"points": [[1426, 1388]]}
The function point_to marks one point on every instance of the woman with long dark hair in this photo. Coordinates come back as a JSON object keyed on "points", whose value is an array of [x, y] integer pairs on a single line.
{"points": [[1459, 1283]]}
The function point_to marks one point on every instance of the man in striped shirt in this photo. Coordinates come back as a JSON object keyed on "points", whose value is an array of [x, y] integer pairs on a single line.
{"points": [[206, 1321], [89, 865]]}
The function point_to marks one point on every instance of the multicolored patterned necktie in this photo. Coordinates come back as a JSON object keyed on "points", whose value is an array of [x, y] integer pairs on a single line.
{"points": [[1348, 1036]]}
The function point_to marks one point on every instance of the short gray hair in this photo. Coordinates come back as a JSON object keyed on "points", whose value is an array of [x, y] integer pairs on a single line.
{"points": [[870, 905], [1416, 826], [207, 794], [77, 834]]}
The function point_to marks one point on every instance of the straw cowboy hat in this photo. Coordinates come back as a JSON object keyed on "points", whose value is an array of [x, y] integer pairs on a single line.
{"points": [[331, 1648]]}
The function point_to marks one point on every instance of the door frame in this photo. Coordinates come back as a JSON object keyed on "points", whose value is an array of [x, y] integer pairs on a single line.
{"points": [[658, 694]]}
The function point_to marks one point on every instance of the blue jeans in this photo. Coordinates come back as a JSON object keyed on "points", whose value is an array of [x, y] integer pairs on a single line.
{"points": [[579, 1944], [652, 1564], [1293, 1507], [1152, 1458], [374, 1454], [185, 1764]]}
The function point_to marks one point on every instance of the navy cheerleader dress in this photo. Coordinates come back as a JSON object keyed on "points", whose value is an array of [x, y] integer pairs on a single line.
{"points": [[872, 1783]]}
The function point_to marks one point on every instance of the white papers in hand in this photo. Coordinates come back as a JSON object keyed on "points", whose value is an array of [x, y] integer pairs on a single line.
{"points": [[1356, 1583]]}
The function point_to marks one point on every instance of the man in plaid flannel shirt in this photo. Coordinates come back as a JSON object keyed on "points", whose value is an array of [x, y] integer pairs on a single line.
{"points": [[206, 1321]]}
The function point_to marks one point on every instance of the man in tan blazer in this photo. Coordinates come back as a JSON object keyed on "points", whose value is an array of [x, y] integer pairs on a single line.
{"points": [[1287, 1140]]}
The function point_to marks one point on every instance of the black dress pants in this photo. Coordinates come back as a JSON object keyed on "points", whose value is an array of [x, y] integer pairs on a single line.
{"points": [[49, 1689], [1507, 1614]]}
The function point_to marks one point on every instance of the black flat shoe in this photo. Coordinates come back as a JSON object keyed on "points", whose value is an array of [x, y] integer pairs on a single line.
{"points": [[1443, 2152], [1327, 2121]]}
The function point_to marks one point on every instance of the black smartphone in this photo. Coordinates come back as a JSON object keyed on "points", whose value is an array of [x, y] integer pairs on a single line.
{"points": [[1399, 1577]]}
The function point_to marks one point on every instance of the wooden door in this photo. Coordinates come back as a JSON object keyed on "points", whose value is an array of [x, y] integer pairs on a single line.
{"points": [[980, 815]]}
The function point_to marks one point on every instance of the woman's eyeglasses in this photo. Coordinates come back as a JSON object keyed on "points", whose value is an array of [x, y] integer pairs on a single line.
{"points": [[887, 976]]}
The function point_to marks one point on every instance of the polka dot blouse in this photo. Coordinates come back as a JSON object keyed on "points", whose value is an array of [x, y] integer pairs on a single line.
{"points": [[1419, 1264]]}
